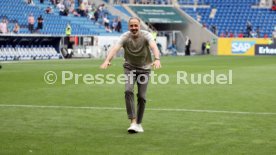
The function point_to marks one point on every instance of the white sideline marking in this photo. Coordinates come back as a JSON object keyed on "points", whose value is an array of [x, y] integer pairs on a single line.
{"points": [[148, 109]]}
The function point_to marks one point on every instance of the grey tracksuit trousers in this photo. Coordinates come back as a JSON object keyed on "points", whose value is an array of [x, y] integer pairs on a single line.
{"points": [[141, 77]]}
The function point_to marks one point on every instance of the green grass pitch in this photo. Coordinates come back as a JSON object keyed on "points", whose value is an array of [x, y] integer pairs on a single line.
{"points": [[192, 119]]}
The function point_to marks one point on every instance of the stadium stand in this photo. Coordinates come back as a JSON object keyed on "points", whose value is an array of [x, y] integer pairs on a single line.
{"points": [[122, 9], [54, 24], [232, 16], [18, 11]]}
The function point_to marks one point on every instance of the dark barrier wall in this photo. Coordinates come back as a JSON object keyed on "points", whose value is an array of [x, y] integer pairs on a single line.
{"points": [[265, 49]]}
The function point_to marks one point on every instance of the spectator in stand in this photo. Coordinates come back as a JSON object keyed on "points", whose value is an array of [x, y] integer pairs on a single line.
{"points": [[16, 28], [273, 5], [114, 24], [94, 6], [67, 4], [54, 2], [214, 29], [82, 9], [30, 2], [248, 28], [119, 25], [91, 15], [198, 17], [240, 35], [88, 7], [231, 35], [258, 32], [31, 21], [273, 8], [253, 34], [76, 14], [226, 34], [101, 10], [72, 6], [96, 15], [49, 10], [61, 8], [101, 7], [4, 26], [106, 24], [39, 23], [274, 35]]}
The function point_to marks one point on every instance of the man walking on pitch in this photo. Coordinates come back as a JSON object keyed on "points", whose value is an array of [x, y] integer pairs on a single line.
{"points": [[137, 45]]}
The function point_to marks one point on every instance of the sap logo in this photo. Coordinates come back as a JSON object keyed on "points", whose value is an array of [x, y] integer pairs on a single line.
{"points": [[241, 47]]}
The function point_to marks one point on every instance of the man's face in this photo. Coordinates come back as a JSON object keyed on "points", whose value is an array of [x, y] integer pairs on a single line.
{"points": [[134, 26]]}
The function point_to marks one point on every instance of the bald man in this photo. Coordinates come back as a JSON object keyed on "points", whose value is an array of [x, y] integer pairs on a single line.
{"points": [[137, 45]]}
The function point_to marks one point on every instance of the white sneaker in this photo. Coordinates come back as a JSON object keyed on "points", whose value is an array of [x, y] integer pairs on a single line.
{"points": [[139, 128], [132, 128]]}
